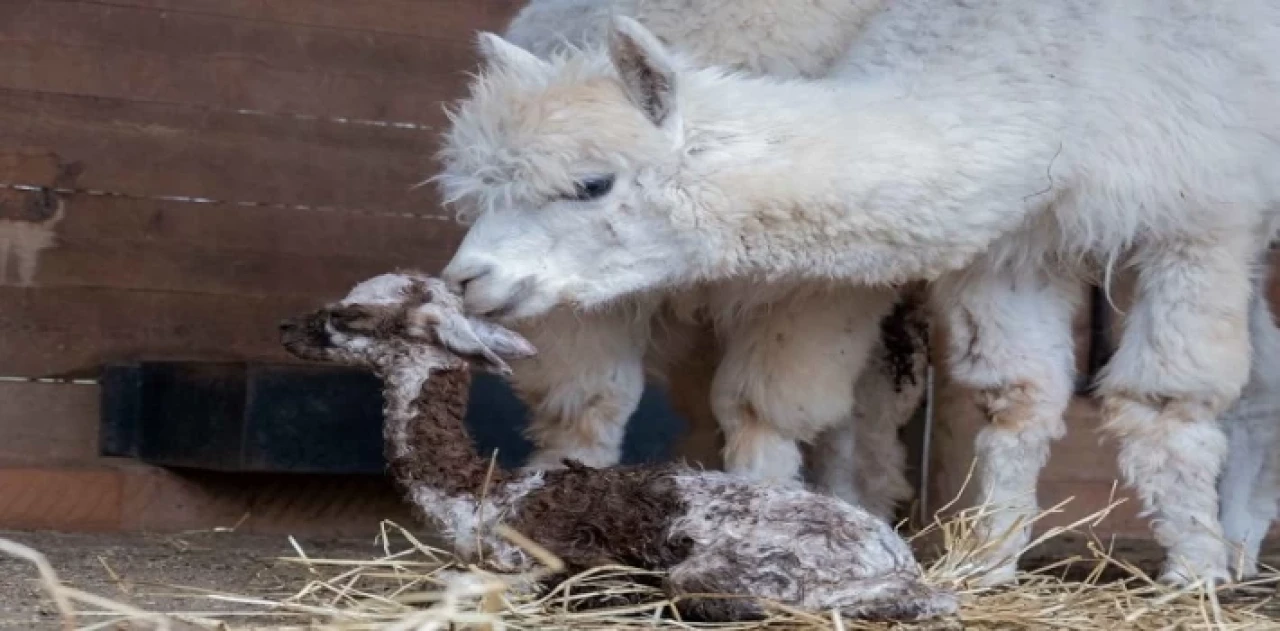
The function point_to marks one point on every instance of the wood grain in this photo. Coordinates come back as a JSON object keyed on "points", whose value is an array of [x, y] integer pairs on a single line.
{"points": [[404, 17], [222, 62], [225, 249], [146, 150], [48, 423], [72, 331]]}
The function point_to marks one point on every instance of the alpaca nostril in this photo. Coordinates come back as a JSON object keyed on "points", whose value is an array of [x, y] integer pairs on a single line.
{"points": [[288, 325]]}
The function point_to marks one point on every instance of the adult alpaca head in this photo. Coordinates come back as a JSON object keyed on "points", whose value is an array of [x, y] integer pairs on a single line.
{"points": [[599, 174], [564, 166]]}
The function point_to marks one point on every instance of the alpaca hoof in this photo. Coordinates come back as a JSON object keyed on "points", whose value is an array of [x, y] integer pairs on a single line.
{"points": [[1180, 575], [1243, 570], [1241, 566]]}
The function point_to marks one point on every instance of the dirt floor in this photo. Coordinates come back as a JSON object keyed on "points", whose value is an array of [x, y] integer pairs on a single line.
{"points": [[158, 572]]}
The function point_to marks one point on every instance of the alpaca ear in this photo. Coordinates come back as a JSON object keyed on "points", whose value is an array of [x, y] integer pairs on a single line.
{"points": [[502, 341], [499, 53], [482, 344], [648, 72]]}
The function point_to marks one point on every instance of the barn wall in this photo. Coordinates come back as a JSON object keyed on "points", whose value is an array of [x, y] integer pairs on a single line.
{"points": [[176, 176]]}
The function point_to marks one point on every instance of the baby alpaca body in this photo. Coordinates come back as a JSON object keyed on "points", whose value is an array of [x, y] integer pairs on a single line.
{"points": [[712, 532]]}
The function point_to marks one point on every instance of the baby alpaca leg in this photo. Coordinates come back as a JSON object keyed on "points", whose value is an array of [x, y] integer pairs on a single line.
{"points": [[1010, 342], [737, 570], [1250, 483], [1182, 360], [582, 387], [788, 373]]}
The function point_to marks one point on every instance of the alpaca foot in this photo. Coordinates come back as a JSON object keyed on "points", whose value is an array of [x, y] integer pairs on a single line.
{"points": [[1243, 568], [905, 599], [1182, 574]]}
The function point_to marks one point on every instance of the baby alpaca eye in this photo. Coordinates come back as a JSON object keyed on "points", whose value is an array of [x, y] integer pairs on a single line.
{"points": [[593, 187]]}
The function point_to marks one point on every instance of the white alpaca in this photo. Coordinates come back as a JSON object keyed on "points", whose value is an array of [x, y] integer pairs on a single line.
{"points": [[788, 358], [999, 148], [1250, 482]]}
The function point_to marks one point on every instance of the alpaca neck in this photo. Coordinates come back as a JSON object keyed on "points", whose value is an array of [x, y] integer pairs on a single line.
{"points": [[847, 181], [428, 447]]}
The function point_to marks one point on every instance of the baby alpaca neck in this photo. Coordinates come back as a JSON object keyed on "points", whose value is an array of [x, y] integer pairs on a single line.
{"points": [[427, 442]]}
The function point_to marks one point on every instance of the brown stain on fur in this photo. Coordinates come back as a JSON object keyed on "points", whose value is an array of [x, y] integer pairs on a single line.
{"points": [[1008, 407]]}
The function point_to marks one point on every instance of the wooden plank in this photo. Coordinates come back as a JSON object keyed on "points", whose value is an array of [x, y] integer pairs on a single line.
{"points": [[231, 83], [406, 17], [227, 249], [72, 331], [447, 46], [150, 55], [218, 227], [151, 150], [47, 423]]}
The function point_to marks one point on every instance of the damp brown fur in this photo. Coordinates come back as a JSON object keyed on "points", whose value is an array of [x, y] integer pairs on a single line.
{"points": [[714, 533]]}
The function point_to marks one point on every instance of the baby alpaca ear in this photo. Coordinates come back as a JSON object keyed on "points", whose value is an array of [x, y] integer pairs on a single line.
{"points": [[648, 72], [499, 53], [482, 344], [502, 341]]}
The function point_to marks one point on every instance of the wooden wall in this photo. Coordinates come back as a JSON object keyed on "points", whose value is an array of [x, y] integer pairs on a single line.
{"points": [[176, 176]]}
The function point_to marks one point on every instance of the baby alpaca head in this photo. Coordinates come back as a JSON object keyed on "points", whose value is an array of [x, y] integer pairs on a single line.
{"points": [[568, 166], [393, 318]]}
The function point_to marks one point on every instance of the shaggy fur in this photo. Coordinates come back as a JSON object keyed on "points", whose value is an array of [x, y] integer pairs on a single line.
{"points": [[791, 360], [1250, 482], [1002, 149], [714, 532]]}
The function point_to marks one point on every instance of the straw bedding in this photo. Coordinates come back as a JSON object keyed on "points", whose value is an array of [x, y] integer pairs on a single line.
{"points": [[412, 586]]}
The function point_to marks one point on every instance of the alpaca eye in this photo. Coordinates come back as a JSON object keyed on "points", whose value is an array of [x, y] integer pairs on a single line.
{"points": [[591, 188]]}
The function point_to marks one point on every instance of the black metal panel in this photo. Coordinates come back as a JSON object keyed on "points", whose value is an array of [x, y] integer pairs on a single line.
{"points": [[304, 419], [312, 419]]}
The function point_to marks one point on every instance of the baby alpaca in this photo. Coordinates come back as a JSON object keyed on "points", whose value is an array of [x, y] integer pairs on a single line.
{"points": [[713, 532]]}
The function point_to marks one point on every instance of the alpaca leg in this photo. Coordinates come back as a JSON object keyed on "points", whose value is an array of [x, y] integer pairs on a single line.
{"points": [[897, 598], [1010, 342], [1182, 360], [1248, 490], [788, 374], [1250, 483], [836, 465], [726, 570], [888, 394], [685, 356], [582, 387], [881, 471]]}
